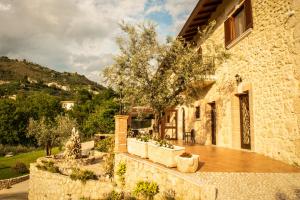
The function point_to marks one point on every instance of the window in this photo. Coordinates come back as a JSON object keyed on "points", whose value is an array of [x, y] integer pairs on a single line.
{"points": [[238, 22], [197, 112]]}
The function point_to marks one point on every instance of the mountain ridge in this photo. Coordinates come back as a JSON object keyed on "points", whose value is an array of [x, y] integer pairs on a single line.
{"points": [[14, 74]]}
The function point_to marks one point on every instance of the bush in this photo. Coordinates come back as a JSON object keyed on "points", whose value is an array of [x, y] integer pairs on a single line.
{"points": [[20, 168], [121, 172], [105, 145], [48, 166], [169, 195], [146, 189], [82, 175], [109, 165], [114, 196], [4, 149]]}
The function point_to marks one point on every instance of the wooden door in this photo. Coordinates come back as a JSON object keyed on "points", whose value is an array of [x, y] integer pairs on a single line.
{"points": [[213, 123], [245, 121]]}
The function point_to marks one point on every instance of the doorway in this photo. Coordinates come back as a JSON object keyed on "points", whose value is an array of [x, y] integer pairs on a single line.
{"points": [[213, 120], [245, 121]]}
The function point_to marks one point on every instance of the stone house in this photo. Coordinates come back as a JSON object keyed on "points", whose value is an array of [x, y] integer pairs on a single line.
{"points": [[67, 105], [252, 102]]}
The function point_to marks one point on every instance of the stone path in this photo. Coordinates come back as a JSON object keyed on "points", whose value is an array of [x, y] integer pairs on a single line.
{"points": [[254, 186], [16, 192]]}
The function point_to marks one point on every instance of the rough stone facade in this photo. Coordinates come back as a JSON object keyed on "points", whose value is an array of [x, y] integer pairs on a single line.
{"points": [[45, 185], [268, 60], [184, 185]]}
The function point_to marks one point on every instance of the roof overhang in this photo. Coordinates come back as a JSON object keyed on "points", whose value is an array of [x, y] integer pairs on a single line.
{"points": [[198, 18]]}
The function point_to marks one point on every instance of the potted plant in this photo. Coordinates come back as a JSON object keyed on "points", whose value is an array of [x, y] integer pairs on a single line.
{"points": [[187, 162], [138, 146], [164, 153]]}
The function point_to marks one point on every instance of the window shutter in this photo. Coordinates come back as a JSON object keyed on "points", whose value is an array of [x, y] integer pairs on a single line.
{"points": [[248, 12], [228, 28]]}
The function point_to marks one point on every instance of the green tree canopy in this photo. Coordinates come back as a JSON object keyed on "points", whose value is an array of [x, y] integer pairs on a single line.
{"points": [[153, 74]]}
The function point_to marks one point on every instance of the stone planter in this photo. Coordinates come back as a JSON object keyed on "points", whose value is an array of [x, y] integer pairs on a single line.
{"points": [[137, 147], [163, 155], [187, 165]]}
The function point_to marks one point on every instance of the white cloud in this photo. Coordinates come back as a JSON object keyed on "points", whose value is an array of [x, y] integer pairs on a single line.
{"points": [[5, 7], [74, 35]]}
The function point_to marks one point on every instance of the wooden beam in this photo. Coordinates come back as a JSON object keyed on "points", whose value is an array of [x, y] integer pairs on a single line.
{"points": [[196, 10], [190, 34]]}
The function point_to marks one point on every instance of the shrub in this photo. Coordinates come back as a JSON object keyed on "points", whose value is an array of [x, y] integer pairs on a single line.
{"points": [[169, 195], [20, 168], [121, 172], [82, 175], [146, 189], [105, 145], [109, 165], [113, 195], [186, 155], [48, 166], [143, 138], [165, 143]]}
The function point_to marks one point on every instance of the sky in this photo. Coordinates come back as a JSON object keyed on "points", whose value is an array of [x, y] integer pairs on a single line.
{"points": [[79, 35]]}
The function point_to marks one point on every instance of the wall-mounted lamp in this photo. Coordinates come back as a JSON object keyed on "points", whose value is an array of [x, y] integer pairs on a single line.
{"points": [[238, 79]]}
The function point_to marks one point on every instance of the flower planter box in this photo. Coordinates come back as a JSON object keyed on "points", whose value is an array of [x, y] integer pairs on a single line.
{"points": [[137, 147], [163, 155], [187, 165]]}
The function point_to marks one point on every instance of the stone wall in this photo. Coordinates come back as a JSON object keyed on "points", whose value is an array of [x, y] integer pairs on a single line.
{"points": [[6, 183], [184, 185], [45, 185], [267, 59]]}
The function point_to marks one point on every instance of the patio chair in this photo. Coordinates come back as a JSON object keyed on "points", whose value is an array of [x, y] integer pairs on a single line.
{"points": [[193, 134]]}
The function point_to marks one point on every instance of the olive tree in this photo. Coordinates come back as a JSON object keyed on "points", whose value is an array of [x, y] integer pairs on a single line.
{"points": [[48, 134], [149, 73]]}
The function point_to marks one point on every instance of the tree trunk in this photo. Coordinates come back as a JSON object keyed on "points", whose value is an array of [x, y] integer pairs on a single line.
{"points": [[157, 124]]}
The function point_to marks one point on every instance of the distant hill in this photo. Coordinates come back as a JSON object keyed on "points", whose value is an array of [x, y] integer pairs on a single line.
{"points": [[23, 76]]}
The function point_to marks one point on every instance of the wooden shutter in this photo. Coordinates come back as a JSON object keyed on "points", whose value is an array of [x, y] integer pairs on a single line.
{"points": [[248, 12], [228, 28]]}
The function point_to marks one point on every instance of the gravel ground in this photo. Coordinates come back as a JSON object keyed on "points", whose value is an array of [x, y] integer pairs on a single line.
{"points": [[254, 186]]}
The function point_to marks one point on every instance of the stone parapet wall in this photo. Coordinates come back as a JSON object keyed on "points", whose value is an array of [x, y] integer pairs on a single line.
{"points": [[184, 185], [6, 183], [45, 185]]}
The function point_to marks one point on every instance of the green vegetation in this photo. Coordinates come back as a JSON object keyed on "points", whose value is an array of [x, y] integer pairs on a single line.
{"points": [[95, 113], [50, 133], [26, 158], [121, 172], [20, 168], [82, 175], [48, 166], [157, 74], [15, 115], [24, 76], [106, 145], [4, 149], [146, 189]]}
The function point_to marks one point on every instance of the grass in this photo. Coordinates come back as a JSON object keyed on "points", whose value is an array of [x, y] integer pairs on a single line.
{"points": [[26, 158]]}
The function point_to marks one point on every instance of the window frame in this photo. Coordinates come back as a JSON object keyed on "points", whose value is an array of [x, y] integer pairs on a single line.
{"points": [[229, 25], [197, 112]]}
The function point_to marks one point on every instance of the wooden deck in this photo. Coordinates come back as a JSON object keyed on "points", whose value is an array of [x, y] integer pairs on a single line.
{"points": [[219, 159]]}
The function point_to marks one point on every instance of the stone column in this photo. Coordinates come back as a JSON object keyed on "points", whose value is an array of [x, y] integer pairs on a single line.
{"points": [[121, 133]]}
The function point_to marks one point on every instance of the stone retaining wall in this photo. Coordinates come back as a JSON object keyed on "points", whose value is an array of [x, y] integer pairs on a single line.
{"points": [[45, 185], [184, 185], [6, 183]]}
